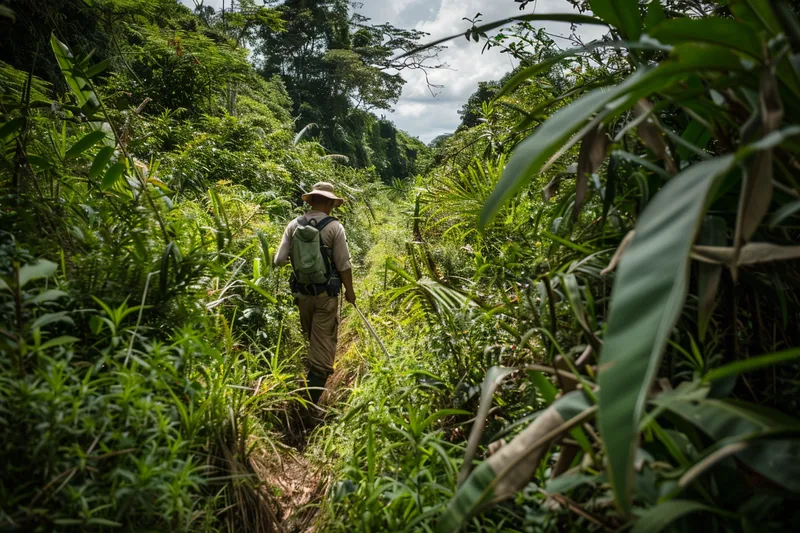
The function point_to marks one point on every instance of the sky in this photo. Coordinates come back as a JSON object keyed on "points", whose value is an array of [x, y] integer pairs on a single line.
{"points": [[419, 112]]}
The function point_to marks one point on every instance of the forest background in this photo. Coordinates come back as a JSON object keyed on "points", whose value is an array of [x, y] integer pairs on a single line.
{"points": [[589, 291]]}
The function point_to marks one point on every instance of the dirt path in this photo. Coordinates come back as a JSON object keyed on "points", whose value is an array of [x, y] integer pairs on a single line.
{"points": [[295, 485], [293, 482]]}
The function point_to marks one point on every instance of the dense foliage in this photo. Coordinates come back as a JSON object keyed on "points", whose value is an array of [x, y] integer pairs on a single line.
{"points": [[147, 348], [337, 68], [605, 254], [590, 295]]}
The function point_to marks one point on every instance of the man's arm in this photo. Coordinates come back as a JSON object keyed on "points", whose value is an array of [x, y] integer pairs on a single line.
{"points": [[285, 248], [347, 280], [341, 258]]}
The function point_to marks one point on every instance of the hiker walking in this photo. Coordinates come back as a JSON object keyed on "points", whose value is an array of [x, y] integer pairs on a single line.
{"points": [[316, 245]]}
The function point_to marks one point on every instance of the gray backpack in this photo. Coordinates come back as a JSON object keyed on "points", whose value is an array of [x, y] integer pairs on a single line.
{"points": [[311, 259]]}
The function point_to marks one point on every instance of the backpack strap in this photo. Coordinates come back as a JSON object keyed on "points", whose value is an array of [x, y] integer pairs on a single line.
{"points": [[324, 222], [327, 253]]}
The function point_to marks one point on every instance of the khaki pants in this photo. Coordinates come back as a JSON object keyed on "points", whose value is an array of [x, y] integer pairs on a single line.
{"points": [[320, 322]]}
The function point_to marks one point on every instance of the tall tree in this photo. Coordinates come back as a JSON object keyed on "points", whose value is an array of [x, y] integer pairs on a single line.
{"points": [[338, 68]]}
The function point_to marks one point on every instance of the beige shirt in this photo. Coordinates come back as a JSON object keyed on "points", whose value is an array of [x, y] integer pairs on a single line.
{"points": [[332, 236]]}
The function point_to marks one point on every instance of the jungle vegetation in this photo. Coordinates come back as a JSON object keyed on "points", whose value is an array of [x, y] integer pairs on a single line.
{"points": [[589, 291]]}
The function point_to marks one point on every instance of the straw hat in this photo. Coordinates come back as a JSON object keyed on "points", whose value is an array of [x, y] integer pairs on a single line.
{"points": [[323, 188]]}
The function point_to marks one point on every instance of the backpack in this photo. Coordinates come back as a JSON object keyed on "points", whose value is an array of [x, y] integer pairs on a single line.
{"points": [[311, 259]]}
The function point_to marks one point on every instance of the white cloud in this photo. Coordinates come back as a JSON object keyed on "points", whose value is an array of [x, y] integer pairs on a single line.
{"points": [[432, 116], [417, 111]]}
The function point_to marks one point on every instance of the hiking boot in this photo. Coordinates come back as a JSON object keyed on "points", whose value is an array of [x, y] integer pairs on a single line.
{"points": [[316, 386]]}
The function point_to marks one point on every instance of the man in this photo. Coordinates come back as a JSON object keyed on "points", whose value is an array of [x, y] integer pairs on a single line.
{"points": [[316, 288]]}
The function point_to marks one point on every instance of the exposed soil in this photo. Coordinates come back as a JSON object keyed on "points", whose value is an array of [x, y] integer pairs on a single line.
{"points": [[291, 480], [295, 485]]}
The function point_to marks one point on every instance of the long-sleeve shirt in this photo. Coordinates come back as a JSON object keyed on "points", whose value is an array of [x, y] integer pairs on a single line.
{"points": [[332, 236]]}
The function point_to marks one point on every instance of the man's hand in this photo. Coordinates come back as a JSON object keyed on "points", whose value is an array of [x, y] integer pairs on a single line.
{"points": [[347, 280]]}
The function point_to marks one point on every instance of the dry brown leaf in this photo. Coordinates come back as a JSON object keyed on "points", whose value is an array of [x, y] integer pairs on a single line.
{"points": [[749, 254], [618, 254], [651, 135], [593, 151], [756, 193]]}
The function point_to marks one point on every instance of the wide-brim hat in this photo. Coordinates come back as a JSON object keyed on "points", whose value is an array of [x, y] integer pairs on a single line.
{"points": [[325, 189]]}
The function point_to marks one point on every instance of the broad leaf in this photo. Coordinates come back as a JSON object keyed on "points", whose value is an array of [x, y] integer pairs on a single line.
{"points": [[647, 298], [47, 296], [721, 419], [40, 269], [756, 193], [12, 126], [750, 254], [622, 14], [510, 468], [270, 298], [58, 341], [113, 174], [74, 79], [655, 15], [97, 68], [532, 153], [695, 134], [549, 140], [494, 377], [784, 212], [657, 518], [7, 12], [86, 142], [712, 30], [757, 14], [752, 363], [50, 318], [529, 72], [100, 161], [568, 482]]}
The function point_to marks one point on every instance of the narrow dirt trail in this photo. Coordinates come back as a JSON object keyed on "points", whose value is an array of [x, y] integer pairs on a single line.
{"points": [[293, 480], [295, 484]]}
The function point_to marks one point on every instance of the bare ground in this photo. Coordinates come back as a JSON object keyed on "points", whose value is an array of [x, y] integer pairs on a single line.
{"points": [[292, 481]]}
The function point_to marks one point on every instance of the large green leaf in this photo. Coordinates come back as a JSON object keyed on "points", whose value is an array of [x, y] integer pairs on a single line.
{"points": [[757, 14], [76, 81], [696, 135], [647, 298], [655, 15], [510, 469], [532, 153], [784, 212], [85, 142], [778, 460], [100, 161], [657, 518], [719, 31], [7, 12], [549, 140], [752, 363], [12, 126], [622, 14], [113, 174], [40, 269]]}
